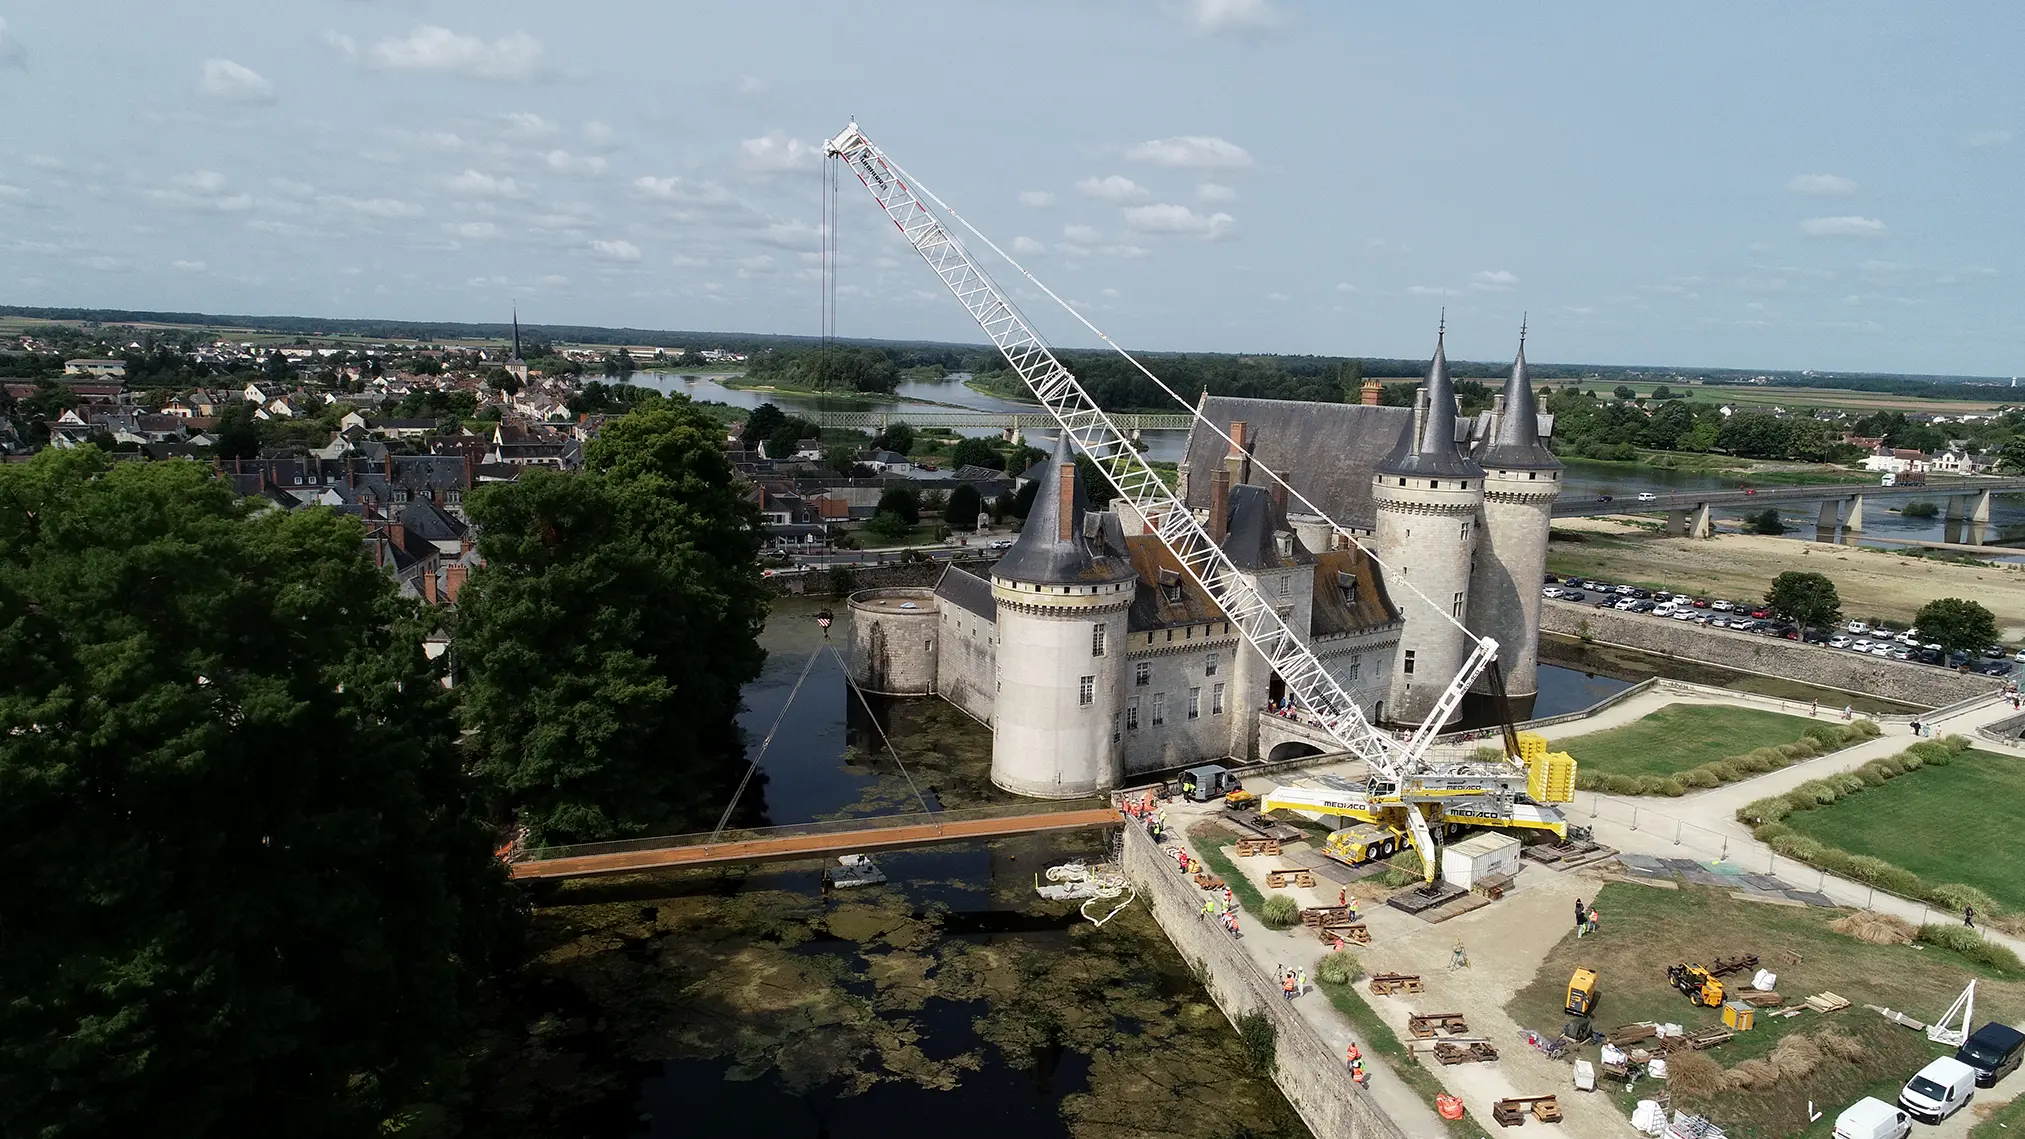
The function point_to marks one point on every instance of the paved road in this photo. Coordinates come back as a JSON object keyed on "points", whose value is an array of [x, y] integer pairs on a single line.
{"points": [[1571, 507]]}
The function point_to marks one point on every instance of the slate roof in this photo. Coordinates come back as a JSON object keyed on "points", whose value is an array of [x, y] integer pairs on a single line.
{"points": [[1431, 451], [1253, 522], [1332, 614], [1154, 604], [1326, 451], [967, 591], [1517, 438], [1041, 556]]}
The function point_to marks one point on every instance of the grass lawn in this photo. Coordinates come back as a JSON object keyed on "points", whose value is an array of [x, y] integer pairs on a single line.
{"points": [[1946, 824], [1644, 929], [1679, 737]]}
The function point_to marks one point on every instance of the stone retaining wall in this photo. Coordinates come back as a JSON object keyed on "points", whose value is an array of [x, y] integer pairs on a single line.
{"points": [[1309, 1073], [816, 582], [1767, 656]]}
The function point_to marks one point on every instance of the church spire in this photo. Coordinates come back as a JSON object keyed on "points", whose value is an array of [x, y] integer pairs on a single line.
{"points": [[516, 332]]}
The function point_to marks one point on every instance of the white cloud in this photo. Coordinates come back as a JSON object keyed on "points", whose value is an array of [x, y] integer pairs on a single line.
{"points": [[775, 152], [1026, 246], [208, 181], [1278, 297], [1493, 280], [475, 229], [510, 58], [1168, 218], [12, 54], [346, 47], [527, 125], [564, 162], [1215, 192], [477, 183], [1428, 291], [189, 266], [1345, 287], [1123, 252], [1821, 184], [293, 188], [751, 87], [1230, 17], [599, 134], [1110, 292], [238, 83], [1114, 188], [374, 207], [1981, 139], [616, 250], [1081, 234], [1846, 226], [1192, 152], [45, 162], [793, 235], [1038, 199], [202, 190]]}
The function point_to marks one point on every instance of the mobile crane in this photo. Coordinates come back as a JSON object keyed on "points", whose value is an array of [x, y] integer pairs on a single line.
{"points": [[1404, 786]]}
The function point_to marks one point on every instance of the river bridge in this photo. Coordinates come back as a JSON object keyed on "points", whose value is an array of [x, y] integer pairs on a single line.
{"points": [[811, 840], [1004, 421], [1841, 503]]}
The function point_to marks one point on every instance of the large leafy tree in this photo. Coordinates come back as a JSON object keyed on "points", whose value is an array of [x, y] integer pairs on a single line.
{"points": [[246, 895], [1956, 625], [605, 640], [965, 504], [1808, 598]]}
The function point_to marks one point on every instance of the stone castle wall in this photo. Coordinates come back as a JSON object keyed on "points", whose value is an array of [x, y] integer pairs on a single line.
{"points": [[893, 651], [966, 666], [1748, 652]]}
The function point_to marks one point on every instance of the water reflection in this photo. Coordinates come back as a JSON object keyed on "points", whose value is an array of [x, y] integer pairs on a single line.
{"points": [[1565, 690]]}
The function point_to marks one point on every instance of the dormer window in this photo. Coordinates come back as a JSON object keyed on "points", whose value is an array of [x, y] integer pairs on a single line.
{"points": [[1170, 586], [1347, 583]]}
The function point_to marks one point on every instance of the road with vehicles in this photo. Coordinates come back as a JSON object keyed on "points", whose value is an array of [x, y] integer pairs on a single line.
{"points": [[1653, 501]]}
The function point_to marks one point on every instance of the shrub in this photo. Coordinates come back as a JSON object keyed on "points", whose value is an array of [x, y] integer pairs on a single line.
{"points": [[1828, 735], [1847, 782], [1877, 872], [1890, 765], [1671, 787], [1280, 911], [1798, 847], [1872, 776], [1821, 790], [1799, 749], [1935, 752], [1587, 781], [1766, 832], [1799, 800], [1257, 1034], [1693, 1075], [1489, 755], [1971, 945], [1621, 784], [1700, 777], [1764, 812], [1754, 764], [1957, 744], [1866, 729], [1726, 770], [1339, 968], [1773, 758], [1954, 896], [1907, 761]]}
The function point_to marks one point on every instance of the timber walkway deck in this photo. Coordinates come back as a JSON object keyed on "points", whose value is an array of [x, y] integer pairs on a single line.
{"points": [[814, 841]]}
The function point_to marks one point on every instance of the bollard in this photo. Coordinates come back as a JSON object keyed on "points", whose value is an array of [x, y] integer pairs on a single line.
{"points": [[1676, 832], [1634, 818]]}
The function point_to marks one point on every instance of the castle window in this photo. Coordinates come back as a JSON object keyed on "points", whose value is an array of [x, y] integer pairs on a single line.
{"points": [[1466, 484], [1096, 640], [1216, 700], [1086, 691], [1159, 708], [1402, 482], [1409, 662], [1356, 669], [1434, 484], [1532, 474], [1286, 586], [1141, 673], [1455, 608], [1466, 530], [1132, 714], [1114, 727], [1209, 666], [1194, 703]]}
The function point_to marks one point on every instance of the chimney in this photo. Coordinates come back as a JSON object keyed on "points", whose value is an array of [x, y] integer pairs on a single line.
{"points": [[390, 466], [453, 581], [1370, 392], [429, 588], [1219, 503], [1065, 502], [398, 535], [1280, 501], [1240, 457]]}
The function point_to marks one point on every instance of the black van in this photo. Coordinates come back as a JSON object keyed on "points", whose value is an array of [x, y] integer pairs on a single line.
{"points": [[1993, 1051]]}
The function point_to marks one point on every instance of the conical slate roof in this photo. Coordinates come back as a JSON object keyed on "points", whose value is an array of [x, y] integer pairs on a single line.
{"points": [[1052, 548], [1515, 439], [1431, 451]]}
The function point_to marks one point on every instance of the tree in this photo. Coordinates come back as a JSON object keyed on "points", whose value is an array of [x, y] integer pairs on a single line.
{"points": [[1956, 625], [976, 453], [1662, 392], [965, 504], [1023, 501], [605, 639], [889, 526], [839, 460], [247, 894], [1095, 485], [787, 438], [237, 432], [1765, 521], [901, 501], [1624, 391], [2011, 458], [1808, 598], [762, 423], [898, 438]]}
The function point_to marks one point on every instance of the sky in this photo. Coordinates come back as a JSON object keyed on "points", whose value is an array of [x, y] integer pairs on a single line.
{"points": [[1829, 185]]}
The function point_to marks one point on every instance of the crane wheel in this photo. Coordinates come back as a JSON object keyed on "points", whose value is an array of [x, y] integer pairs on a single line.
{"points": [[1371, 853], [1390, 847]]}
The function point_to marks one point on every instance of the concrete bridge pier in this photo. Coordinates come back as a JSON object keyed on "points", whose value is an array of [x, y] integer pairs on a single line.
{"points": [[1676, 523], [1853, 522], [1957, 507], [1700, 525], [1981, 513], [1831, 515]]}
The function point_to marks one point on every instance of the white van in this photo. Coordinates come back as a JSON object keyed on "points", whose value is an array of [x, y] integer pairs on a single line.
{"points": [[1941, 1089], [1869, 1118]]}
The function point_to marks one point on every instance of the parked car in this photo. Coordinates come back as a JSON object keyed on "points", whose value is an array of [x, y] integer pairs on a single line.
{"points": [[1858, 627], [1880, 650], [1901, 654], [1642, 594], [1684, 615], [1002, 544], [1929, 656], [1839, 641], [1551, 591], [2019, 656], [1721, 606], [1573, 595], [1701, 603], [1996, 668], [1750, 490], [1647, 496], [1551, 579], [1625, 603], [1644, 606], [1624, 590], [1761, 612], [1994, 1051], [1861, 645]]}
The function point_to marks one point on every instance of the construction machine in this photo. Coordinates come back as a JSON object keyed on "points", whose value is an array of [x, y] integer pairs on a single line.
{"points": [[1696, 983], [1582, 992], [1406, 788]]}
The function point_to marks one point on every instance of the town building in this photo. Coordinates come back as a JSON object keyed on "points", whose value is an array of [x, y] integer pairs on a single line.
{"points": [[1095, 658]]}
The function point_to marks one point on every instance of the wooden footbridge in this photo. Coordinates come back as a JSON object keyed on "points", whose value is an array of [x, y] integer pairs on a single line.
{"points": [[814, 840]]}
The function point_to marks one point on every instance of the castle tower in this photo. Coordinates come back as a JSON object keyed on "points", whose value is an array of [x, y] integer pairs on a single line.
{"points": [[1062, 593], [1428, 495], [1522, 478]]}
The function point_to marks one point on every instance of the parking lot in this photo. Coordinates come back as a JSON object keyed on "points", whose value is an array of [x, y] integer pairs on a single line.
{"points": [[1757, 617]]}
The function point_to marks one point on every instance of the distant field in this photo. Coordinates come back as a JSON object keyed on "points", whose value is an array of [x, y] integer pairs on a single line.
{"points": [[1766, 396], [1679, 737], [1946, 824]]}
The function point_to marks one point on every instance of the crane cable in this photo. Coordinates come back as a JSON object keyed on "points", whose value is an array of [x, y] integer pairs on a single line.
{"points": [[916, 184], [874, 717], [753, 766]]}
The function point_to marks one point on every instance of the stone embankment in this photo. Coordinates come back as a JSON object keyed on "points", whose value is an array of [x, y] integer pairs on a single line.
{"points": [[1903, 681], [1312, 1077], [817, 583]]}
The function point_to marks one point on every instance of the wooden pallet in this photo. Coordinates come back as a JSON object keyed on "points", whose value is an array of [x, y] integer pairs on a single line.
{"points": [[1760, 998], [1632, 1033], [1247, 847], [1209, 881], [1298, 877], [1430, 1024], [1480, 1051], [1392, 984], [1827, 1002], [1724, 966], [1492, 886], [1322, 917], [1512, 1112], [1345, 934], [1709, 1038]]}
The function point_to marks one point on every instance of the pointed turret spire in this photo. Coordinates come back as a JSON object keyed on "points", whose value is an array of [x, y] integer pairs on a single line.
{"points": [[1515, 438], [516, 332], [1052, 548], [1429, 446]]}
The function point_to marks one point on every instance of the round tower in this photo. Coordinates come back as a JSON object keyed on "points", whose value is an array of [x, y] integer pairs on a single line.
{"points": [[1522, 478], [1062, 592], [1429, 495]]}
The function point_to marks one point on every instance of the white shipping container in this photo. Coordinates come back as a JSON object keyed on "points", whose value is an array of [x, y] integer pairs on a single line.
{"points": [[1464, 863]]}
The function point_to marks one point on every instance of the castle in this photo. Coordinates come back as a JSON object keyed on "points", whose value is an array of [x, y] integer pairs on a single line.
{"points": [[1093, 657]]}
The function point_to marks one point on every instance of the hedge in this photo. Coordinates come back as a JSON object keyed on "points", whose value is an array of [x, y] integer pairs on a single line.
{"points": [[1971, 945], [1817, 740]]}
